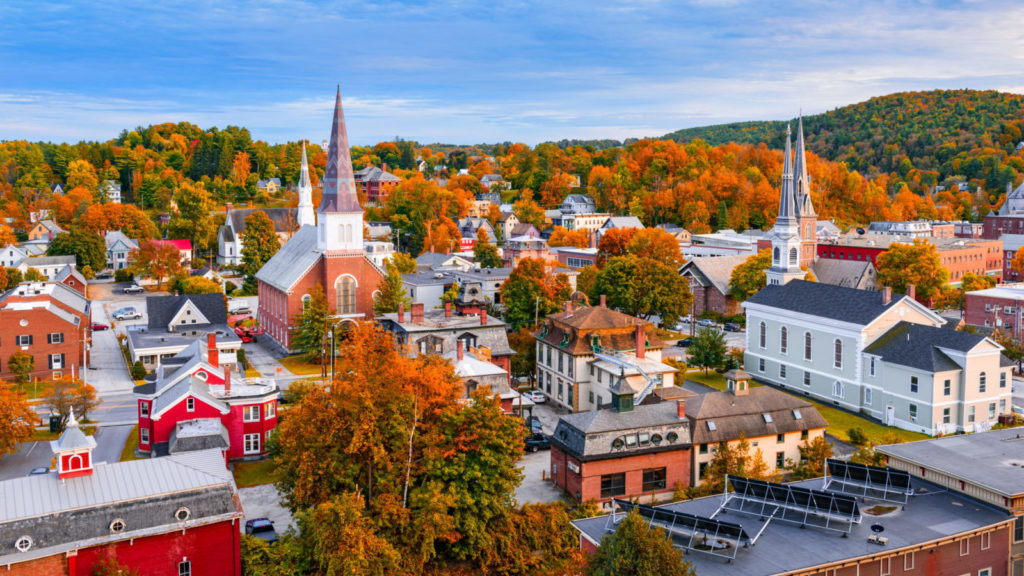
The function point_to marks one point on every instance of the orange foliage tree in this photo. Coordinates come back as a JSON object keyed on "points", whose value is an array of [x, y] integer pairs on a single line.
{"points": [[562, 237]]}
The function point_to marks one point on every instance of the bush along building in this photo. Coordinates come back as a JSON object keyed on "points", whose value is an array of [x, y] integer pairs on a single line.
{"points": [[191, 403], [178, 515]]}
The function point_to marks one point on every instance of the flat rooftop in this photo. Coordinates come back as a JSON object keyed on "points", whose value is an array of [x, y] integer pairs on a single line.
{"points": [[1008, 291], [932, 513], [993, 459]]}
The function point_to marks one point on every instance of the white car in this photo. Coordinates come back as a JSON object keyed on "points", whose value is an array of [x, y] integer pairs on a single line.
{"points": [[127, 314], [536, 396]]}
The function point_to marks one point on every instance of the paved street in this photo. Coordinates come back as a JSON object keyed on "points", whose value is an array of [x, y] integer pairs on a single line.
{"points": [[534, 488], [263, 501]]}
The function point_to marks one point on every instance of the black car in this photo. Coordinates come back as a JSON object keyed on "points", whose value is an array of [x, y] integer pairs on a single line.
{"points": [[104, 276], [536, 442], [732, 327], [534, 425], [685, 343], [261, 528]]}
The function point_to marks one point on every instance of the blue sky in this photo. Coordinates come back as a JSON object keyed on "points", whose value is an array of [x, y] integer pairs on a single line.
{"points": [[468, 72]]}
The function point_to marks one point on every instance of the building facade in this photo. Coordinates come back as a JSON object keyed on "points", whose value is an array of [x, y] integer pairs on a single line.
{"points": [[49, 321]]}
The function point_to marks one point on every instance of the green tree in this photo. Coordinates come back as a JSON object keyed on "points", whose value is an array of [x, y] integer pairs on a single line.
{"points": [[312, 325], [813, 454], [259, 244], [198, 285], [138, 370], [63, 395], [390, 292], [89, 249], [531, 292], [34, 275], [21, 364], [708, 349], [485, 253], [644, 287], [524, 361], [734, 459], [403, 262], [917, 263], [193, 219], [637, 548], [749, 277], [14, 277]]}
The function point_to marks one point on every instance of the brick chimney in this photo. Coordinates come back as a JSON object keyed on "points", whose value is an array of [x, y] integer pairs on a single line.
{"points": [[568, 306], [912, 291], [681, 409], [641, 342], [401, 311], [886, 295], [417, 311], [384, 167], [227, 379], [483, 317], [447, 309], [227, 207], [603, 303], [212, 354], [458, 348]]}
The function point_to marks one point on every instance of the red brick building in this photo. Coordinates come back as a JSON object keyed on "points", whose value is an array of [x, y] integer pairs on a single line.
{"points": [[958, 255], [194, 404], [50, 322], [329, 254], [171, 516], [625, 451], [709, 280], [375, 184], [999, 307]]}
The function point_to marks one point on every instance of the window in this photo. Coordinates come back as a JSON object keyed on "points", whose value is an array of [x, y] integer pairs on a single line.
{"points": [[792, 256], [763, 335], [184, 568], [913, 384], [549, 357], [1002, 379], [270, 411], [783, 340], [1002, 405], [561, 361], [970, 414], [908, 561], [780, 460], [56, 361], [252, 443], [25, 340], [654, 479], [55, 338], [590, 396], [947, 387], [190, 404], [872, 366], [144, 435], [839, 353], [867, 396], [885, 567], [986, 540], [804, 435], [782, 371], [251, 414], [703, 449], [982, 380], [965, 546], [807, 378], [613, 485], [346, 289], [760, 364], [780, 438], [144, 409], [117, 526], [702, 470], [946, 417], [913, 412], [992, 411], [837, 389], [807, 345], [1018, 529], [775, 254], [985, 572]]}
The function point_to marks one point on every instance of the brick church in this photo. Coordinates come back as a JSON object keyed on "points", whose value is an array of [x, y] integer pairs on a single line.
{"points": [[327, 249]]}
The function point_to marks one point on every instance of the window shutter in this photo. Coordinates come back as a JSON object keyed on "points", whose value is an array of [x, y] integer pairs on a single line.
{"points": [[49, 338], [29, 339], [62, 364], [49, 361]]}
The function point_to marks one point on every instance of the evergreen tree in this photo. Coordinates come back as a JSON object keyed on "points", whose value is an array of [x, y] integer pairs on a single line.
{"points": [[485, 253], [88, 248], [390, 292], [312, 324], [638, 549]]}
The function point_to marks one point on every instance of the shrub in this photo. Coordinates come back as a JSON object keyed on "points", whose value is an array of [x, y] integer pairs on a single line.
{"points": [[138, 370], [242, 360], [122, 275], [857, 436], [230, 287], [198, 263], [737, 319]]}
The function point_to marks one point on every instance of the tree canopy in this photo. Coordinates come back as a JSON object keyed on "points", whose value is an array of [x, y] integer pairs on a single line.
{"points": [[917, 263]]}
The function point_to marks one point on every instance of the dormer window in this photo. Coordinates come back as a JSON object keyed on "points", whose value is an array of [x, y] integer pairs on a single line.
{"points": [[767, 418], [711, 425]]}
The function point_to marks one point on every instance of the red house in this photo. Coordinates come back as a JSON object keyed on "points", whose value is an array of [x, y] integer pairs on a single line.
{"points": [[330, 254], [173, 516], [48, 321], [193, 405]]}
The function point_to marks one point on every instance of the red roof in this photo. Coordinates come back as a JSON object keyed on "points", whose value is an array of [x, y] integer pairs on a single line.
{"points": [[179, 244]]}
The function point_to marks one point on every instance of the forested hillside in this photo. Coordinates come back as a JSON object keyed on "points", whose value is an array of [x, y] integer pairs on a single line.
{"points": [[918, 138]]}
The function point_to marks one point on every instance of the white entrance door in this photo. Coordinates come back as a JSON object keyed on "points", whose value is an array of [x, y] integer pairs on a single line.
{"points": [[890, 416]]}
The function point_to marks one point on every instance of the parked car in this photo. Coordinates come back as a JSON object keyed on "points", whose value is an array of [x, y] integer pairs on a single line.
{"points": [[733, 327], [128, 313], [134, 289], [536, 442], [39, 471], [105, 275], [97, 326], [537, 396], [685, 343], [706, 322], [261, 528], [534, 425]]}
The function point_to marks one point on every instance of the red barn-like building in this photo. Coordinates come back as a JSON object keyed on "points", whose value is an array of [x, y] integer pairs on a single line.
{"points": [[328, 253], [193, 404]]}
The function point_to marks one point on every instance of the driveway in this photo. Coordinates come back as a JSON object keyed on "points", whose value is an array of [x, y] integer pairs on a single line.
{"points": [[263, 501], [107, 370], [536, 466]]}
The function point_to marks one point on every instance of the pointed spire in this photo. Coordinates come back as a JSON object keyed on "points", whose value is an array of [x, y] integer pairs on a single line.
{"points": [[304, 213], [786, 197], [304, 173], [803, 183], [72, 422], [339, 186]]}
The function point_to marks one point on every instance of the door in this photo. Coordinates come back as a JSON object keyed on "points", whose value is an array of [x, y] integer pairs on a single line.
{"points": [[890, 416]]}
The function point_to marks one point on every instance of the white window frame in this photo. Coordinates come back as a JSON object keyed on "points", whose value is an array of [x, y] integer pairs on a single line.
{"points": [[190, 404], [251, 443], [908, 561], [144, 435], [837, 348], [872, 365], [782, 371], [965, 547], [185, 568], [912, 412], [762, 337], [144, 409], [760, 365], [270, 411], [867, 396], [971, 414], [784, 340], [982, 382], [808, 346], [248, 414], [838, 389], [55, 363], [986, 540]]}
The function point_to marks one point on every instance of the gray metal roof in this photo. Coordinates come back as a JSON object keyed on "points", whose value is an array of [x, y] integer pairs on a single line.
{"points": [[590, 435], [918, 346], [116, 236], [991, 459], [298, 255], [142, 340], [825, 300], [162, 309], [782, 548]]}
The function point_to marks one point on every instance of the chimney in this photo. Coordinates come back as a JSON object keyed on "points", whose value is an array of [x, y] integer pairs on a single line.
{"points": [[641, 342], [603, 303], [227, 207], [681, 409], [417, 311], [568, 307], [912, 291], [447, 309], [384, 167], [401, 311], [212, 354], [886, 295], [483, 317], [227, 379], [458, 348]]}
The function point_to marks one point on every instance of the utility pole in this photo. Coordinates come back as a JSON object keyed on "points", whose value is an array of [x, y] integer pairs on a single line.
{"points": [[536, 312]]}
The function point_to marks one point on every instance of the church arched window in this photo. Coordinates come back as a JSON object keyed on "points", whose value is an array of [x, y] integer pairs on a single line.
{"points": [[776, 252], [793, 256], [346, 289]]}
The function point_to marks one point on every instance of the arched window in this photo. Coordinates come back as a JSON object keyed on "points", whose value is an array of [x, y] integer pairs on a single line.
{"points": [[839, 353], [982, 382], [807, 345], [783, 340], [763, 335], [775, 252], [306, 299], [346, 289], [792, 256], [341, 233]]}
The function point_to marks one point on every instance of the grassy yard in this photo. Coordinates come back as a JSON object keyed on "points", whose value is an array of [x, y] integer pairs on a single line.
{"points": [[32, 391], [128, 452], [256, 473], [251, 372], [299, 366], [839, 421]]}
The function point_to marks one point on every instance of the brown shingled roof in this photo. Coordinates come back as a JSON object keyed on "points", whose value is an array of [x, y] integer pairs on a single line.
{"points": [[734, 415], [596, 318]]}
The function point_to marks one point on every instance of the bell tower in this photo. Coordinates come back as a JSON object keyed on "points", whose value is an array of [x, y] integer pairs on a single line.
{"points": [[339, 217], [806, 217], [73, 451], [305, 214], [786, 233]]}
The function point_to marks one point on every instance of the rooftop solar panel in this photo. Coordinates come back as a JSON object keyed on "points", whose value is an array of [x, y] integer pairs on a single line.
{"points": [[877, 482], [692, 532], [795, 504]]}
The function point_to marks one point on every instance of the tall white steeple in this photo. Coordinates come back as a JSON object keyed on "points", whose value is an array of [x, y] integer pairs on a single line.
{"points": [[785, 235], [339, 217], [305, 215]]}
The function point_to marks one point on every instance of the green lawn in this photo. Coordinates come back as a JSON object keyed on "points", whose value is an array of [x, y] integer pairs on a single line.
{"points": [[32, 391], [299, 366], [839, 421], [256, 473], [128, 452]]}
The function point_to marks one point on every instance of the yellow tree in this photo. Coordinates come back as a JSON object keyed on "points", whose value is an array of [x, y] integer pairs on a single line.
{"points": [[562, 237], [17, 420], [156, 260], [240, 168], [1017, 263], [917, 263]]}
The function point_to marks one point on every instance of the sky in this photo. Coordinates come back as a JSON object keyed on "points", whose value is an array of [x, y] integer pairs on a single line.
{"points": [[467, 72]]}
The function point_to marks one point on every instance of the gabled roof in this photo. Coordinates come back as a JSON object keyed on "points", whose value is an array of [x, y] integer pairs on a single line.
{"points": [[298, 255], [263, 183], [717, 269], [919, 346], [284, 219], [825, 300], [51, 226], [575, 340], [848, 273], [623, 222], [374, 174], [506, 216], [115, 237], [69, 271], [162, 309], [733, 415]]}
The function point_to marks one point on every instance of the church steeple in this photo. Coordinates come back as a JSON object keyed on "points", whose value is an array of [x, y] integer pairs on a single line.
{"points": [[787, 199], [340, 220], [305, 214], [785, 235], [803, 183]]}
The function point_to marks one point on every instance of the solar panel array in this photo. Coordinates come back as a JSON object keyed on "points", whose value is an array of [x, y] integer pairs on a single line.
{"points": [[877, 482], [698, 530], [793, 504]]}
